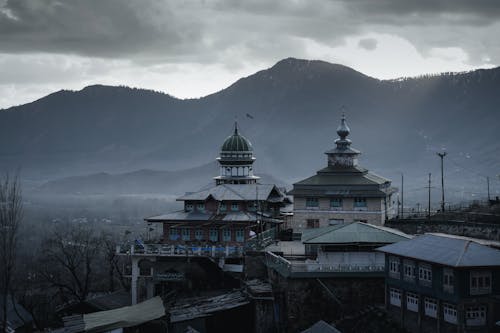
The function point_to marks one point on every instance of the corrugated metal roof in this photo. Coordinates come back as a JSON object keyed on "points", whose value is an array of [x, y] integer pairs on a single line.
{"points": [[233, 192], [358, 232], [202, 307], [448, 251], [239, 216], [321, 327], [127, 316]]}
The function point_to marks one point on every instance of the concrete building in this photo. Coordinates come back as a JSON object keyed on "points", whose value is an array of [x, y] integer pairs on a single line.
{"points": [[436, 283], [343, 192]]}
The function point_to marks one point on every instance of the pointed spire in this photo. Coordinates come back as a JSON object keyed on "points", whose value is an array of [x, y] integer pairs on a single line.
{"points": [[235, 127]]}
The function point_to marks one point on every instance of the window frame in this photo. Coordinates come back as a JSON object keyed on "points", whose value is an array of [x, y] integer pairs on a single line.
{"points": [[450, 314], [479, 278], [394, 267], [476, 315], [412, 301], [312, 202], [312, 223], [336, 203], [424, 274], [409, 266], [395, 297], [430, 307]]}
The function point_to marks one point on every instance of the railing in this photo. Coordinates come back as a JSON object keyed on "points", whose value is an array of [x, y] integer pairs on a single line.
{"points": [[173, 250], [261, 240], [289, 268]]}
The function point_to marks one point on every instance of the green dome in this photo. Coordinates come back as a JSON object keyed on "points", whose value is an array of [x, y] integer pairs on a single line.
{"points": [[236, 142]]}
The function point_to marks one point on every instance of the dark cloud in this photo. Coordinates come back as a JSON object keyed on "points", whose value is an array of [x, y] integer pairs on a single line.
{"points": [[369, 44], [227, 31]]}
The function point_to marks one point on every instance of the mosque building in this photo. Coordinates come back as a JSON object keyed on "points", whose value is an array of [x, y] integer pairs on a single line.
{"points": [[342, 192]]}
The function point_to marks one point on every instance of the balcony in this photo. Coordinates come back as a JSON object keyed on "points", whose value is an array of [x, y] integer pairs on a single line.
{"points": [[176, 250], [302, 269]]}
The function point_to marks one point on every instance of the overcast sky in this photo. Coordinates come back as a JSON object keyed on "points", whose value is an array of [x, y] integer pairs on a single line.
{"points": [[194, 48]]}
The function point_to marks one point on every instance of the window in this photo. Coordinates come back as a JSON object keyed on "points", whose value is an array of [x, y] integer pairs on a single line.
{"points": [[251, 206], [200, 207], [475, 316], [185, 234], [235, 206], [312, 223], [336, 203], [312, 203], [450, 313], [409, 270], [240, 235], [189, 207], [424, 274], [359, 202], [174, 234], [412, 302], [480, 282], [335, 221], [395, 297], [213, 235], [198, 234], [223, 207], [430, 307], [448, 280], [394, 268], [226, 235]]}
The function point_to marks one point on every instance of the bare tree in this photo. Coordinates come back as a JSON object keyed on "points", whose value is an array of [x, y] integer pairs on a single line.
{"points": [[71, 256], [11, 213]]}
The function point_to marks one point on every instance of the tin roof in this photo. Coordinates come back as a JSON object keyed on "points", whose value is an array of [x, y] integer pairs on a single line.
{"points": [[357, 232], [344, 176], [235, 192], [448, 251]]}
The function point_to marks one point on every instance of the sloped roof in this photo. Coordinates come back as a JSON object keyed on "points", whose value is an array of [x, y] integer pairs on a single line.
{"points": [[448, 251], [203, 307], [343, 176], [358, 232], [321, 327], [228, 216], [233, 192]]}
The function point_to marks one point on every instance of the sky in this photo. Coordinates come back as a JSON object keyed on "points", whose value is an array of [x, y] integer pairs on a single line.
{"points": [[190, 49]]}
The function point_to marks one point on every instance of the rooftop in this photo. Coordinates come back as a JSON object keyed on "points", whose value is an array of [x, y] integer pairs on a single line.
{"points": [[445, 250], [235, 192], [354, 233]]}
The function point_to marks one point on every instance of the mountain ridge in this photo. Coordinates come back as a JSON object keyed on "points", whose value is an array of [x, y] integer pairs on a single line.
{"points": [[289, 112]]}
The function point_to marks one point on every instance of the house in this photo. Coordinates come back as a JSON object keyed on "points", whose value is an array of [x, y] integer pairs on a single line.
{"points": [[342, 192], [337, 273], [436, 283]]}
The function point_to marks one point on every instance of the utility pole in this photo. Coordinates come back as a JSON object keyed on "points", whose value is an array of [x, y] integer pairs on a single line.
{"points": [[488, 183], [442, 155], [402, 196], [429, 207]]}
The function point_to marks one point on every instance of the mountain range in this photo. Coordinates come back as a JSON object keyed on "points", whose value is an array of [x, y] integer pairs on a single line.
{"points": [[289, 112]]}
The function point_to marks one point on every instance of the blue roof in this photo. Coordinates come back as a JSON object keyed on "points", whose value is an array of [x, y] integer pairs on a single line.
{"points": [[448, 251]]}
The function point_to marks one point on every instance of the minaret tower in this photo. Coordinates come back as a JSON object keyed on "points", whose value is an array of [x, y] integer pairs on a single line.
{"points": [[343, 156], [236, 160]]}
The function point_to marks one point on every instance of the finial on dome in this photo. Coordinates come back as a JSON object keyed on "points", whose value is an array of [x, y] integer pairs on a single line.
{"points": [[235, 127], [343, 130]]}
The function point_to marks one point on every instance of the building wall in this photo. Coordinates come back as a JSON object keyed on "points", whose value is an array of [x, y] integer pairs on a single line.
{"points": [[460, 297], [373, 213]]}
